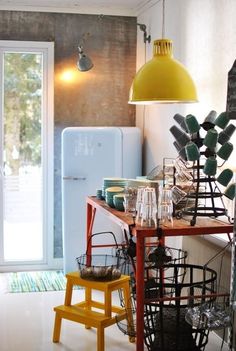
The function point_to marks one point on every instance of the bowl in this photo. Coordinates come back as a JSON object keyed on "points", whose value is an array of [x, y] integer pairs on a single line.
{"points": [[115, 189], [118, 201], [110, 192]]}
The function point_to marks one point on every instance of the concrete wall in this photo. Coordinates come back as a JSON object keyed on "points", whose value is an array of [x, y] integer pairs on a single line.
{"points": [[95, 98]]}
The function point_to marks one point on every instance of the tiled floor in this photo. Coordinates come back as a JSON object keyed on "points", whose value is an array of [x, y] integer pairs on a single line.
{"points": [[26, 323]]}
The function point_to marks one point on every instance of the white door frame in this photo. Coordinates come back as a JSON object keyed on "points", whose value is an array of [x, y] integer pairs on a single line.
{"points": [[47, 49]]}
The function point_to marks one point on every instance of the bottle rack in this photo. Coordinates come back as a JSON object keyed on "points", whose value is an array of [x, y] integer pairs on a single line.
{"points": [[206, 194], [204, 198]]}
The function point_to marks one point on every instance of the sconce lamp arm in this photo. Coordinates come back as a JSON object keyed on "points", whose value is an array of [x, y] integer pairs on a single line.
{"points": [[143, 28]]}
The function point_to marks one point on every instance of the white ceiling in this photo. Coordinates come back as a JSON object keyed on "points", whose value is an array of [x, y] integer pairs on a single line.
{"points": [[105, 7]]}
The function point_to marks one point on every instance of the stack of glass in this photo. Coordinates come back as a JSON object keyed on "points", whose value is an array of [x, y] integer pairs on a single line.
{"points": [[146, 207], [165, 208]]}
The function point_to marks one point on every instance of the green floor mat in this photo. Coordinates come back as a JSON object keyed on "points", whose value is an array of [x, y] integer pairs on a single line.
{"points": [[37, 281]]}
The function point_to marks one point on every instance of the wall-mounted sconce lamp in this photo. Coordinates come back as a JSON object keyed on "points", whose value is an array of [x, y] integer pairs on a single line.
{"points": [[162, 79], [84, 63], [143, 28]]}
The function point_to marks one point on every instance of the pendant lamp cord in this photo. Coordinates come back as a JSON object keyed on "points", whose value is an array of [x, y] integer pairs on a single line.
{"points": [[163, 19], [144, 107], [144, 121]]}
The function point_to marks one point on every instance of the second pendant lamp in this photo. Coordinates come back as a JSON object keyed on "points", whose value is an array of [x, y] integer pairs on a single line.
{"points": [[162, 79]]}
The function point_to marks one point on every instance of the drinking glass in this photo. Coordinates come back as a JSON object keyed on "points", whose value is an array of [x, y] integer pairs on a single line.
{"points": [[149, 208], [182, 171], [139, 203], [130, 204], [165, 208], [148, 216], [165, 214], [166, 196], [177, 194]]}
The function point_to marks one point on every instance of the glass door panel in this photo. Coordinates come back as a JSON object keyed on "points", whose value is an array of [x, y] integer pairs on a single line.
{"points": [[22, 157]]}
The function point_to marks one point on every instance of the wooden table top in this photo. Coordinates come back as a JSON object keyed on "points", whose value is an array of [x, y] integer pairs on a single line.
{"points": [[203, 226]]}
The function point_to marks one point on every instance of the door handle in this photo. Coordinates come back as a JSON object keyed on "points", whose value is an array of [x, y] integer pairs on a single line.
{"points": [[73, 178]]}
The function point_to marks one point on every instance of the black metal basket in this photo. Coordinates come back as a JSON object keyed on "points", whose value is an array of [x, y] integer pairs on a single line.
{"points": [[166, 299], [162, 265], [128, 325], [128, 268], [170, 332], [100, 267]]}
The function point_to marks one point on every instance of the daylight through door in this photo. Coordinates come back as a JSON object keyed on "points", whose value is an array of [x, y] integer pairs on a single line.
{"points": [[24, 163]]}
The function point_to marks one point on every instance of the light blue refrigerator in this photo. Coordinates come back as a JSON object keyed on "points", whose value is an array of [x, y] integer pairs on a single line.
{"points": [[88, 155]]}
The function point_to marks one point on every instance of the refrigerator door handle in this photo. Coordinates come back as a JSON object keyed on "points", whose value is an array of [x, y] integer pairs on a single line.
{"points": [[73, 178]]}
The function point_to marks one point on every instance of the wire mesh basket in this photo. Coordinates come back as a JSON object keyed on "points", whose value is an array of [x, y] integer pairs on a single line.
{"points": [[172, 332], [161, 256], [166, 300], [100, 267], [155, 256], [128, 325]]}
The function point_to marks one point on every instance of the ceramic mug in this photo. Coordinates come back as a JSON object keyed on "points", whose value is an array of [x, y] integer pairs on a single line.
{"points": [[211, 138], [209, 121], [225, 177], [181, 121], [225, 151], [230, 191], [181, 137], [222, 120], [226, 134], [192, 151], [192, 124], [181, 150], [210, 166]]}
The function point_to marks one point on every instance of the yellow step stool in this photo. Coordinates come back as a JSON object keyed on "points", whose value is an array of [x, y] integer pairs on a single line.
{"points": [[84, 312]]}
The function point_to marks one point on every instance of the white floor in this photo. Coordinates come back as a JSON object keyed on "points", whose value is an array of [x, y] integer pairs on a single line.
{"points": [[26, 323]]}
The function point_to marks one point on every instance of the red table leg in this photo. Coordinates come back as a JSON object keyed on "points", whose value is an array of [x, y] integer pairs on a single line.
{"points": [[140, 292], [91, 212]]}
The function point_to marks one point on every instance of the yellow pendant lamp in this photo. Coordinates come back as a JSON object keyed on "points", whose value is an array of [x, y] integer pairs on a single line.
{"points": [[162, 79]]}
